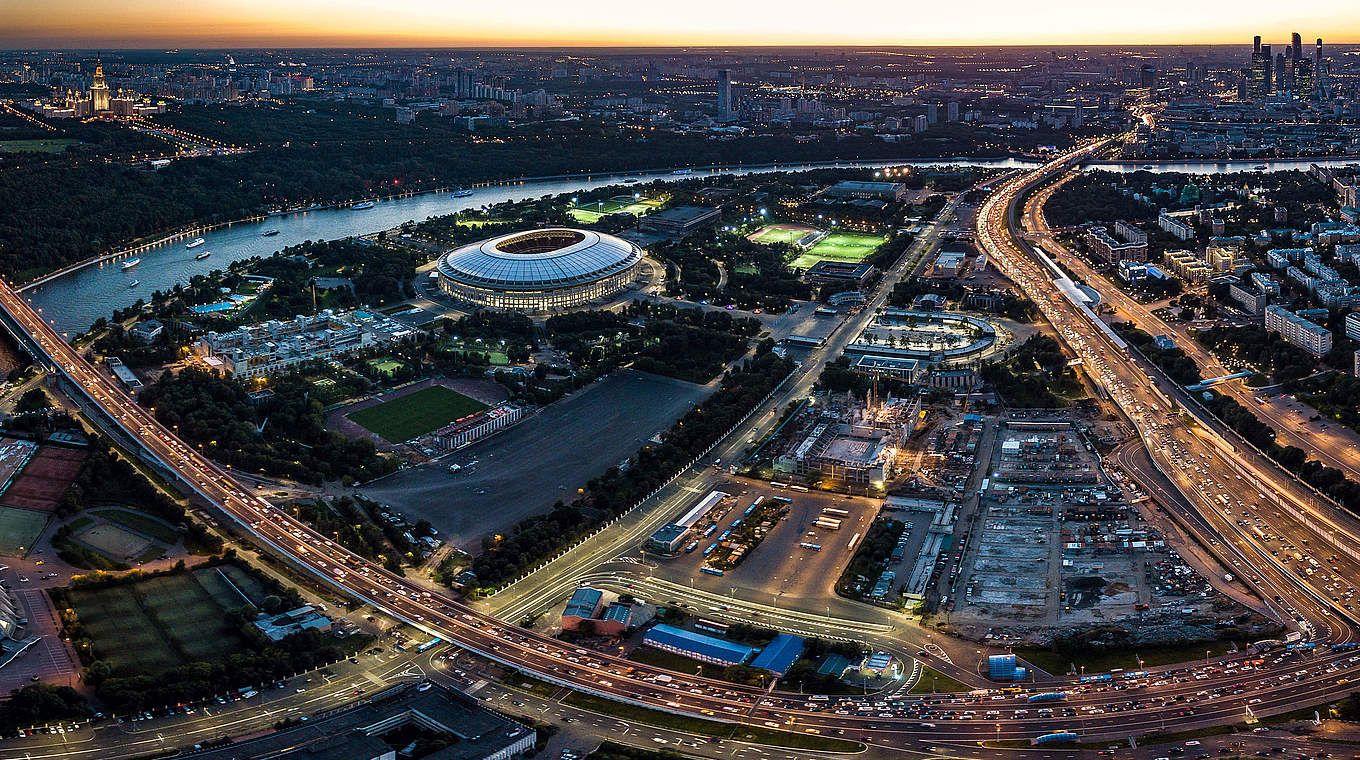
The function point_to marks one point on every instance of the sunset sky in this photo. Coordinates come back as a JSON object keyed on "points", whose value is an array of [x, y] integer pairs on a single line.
{"points": [[245, 23]]}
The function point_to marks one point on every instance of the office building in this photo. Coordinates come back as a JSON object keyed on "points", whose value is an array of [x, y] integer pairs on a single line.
{"points": [[1259, 79], [467, 730], [726, 112]]}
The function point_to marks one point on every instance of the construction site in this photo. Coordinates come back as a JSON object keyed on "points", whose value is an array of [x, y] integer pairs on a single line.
{"points": [[840, 441], [1054, 542]]}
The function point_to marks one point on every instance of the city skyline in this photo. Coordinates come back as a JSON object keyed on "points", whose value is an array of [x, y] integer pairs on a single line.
{"points": [[538, 23]]}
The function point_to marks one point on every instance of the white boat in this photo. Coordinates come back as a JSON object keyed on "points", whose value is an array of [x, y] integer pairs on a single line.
{"points": [[196, 242], [630, 181], [461, 193], [134, 283], [269, 233], [126, 265], [1259, 167], [203, 255], [361, 205], [1147, 166], [681, 172]]}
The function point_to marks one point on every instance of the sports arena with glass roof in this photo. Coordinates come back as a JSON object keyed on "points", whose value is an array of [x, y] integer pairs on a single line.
{"points": [[539, 270]]}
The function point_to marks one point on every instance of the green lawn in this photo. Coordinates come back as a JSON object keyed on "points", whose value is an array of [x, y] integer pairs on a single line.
{"points": [[155, 624], [385, 366], [414, 414], [932, 681], [55, 145], [840, 246], [19, 528], [677, 662], [1100, 662]]}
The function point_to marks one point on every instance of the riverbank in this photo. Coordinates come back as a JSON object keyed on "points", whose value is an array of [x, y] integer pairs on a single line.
{"points": [[143, 245]]}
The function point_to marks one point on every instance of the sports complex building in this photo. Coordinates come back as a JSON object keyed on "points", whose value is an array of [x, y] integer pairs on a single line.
{"points": [[539, 270]]}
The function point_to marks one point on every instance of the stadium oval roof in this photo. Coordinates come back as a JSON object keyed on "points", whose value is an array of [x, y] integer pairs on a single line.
{"points": [[537, 259]]}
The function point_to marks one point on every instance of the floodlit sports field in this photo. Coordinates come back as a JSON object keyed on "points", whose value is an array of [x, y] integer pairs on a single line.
{"points": [[840, 246], [780, 233], [589, 213], [406, 417]]}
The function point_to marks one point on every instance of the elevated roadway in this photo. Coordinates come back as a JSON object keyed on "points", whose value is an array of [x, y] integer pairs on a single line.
{"points": [[1220, 690]]}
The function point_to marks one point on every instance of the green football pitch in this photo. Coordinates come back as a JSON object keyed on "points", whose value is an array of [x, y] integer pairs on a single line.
{"points": [[780, 233], [414, 414], [840, 246]]}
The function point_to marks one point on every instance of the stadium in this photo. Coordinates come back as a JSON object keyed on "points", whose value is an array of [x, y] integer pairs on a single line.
{"points": [[539, 270]]}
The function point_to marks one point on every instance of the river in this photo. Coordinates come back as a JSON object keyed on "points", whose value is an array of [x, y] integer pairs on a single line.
{"points": [[75, 300]]}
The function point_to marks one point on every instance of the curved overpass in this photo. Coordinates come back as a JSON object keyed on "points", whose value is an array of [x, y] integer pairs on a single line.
{"points": [[1219, 691]]}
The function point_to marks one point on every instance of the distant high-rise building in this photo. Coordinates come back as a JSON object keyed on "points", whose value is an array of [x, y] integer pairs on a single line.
{"points": [[932, 113], [1258, 74], [725, 112], [1304, 78], [99, 90], [1281, 73], [1319, 90], [951, 111], [1296, 46]]}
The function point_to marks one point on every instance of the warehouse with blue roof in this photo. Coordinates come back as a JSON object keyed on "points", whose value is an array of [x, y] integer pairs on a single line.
{"points": [[779, 654], [697, 646]]}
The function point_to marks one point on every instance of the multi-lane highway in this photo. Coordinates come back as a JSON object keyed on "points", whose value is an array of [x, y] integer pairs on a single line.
{"points": [[1180, 697]]}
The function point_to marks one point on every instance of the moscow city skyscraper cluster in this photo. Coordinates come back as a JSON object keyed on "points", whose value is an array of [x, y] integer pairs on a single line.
{"points": [[1288, 73]]}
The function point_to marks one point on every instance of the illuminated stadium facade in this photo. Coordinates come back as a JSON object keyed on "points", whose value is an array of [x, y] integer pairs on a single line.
{"points": [[539, 270]]}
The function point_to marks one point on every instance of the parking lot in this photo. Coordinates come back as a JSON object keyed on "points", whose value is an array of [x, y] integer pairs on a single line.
{"points": [[779, 566], [523, 470]]}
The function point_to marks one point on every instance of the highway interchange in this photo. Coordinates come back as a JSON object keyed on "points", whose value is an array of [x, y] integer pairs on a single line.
{"points": [[1215, 476]]}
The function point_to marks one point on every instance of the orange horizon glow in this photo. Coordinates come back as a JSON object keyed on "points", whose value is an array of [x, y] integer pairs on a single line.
{"points": [[696, 23]]}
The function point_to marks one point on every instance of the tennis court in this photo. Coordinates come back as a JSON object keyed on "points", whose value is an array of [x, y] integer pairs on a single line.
{"points": [[840, 246], [19, 529]]}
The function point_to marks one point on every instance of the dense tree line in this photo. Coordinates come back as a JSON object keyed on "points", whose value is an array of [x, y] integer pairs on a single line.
{"points": [[41, 703], [283, 435], [686, 343], [1033, 375], [55, 212], [1095, 197], [1263, 349], [536, 538], [1173, 361], [870, 558]]}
